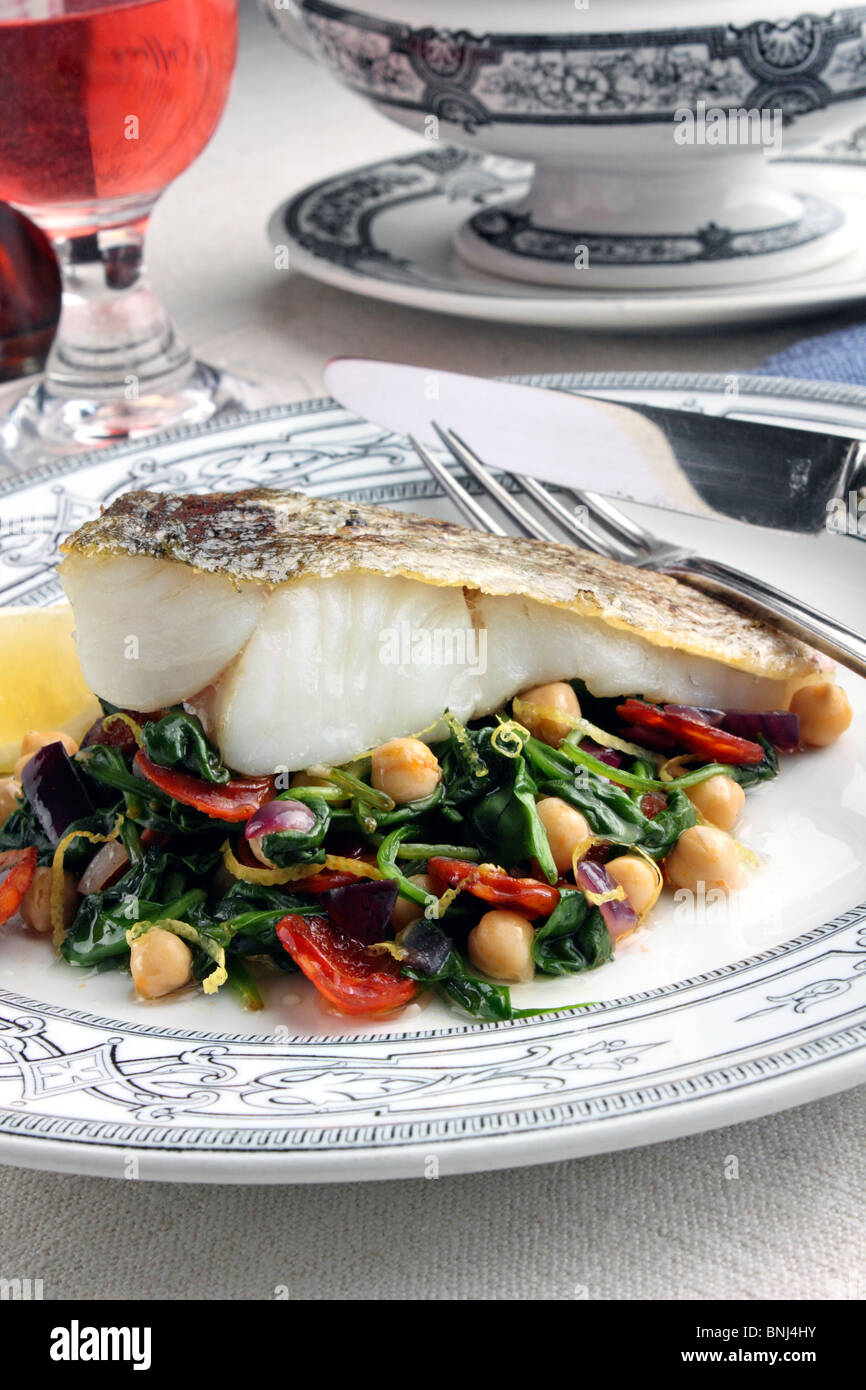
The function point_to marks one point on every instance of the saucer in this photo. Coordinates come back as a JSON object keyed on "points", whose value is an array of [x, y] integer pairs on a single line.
{"points": [[848, 149], [387, 230]]}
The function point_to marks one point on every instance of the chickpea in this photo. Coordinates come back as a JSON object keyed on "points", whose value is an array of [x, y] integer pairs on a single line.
{"points": [[825, 713], [10, 791], [501, 946], [556, 696], [719, 799], [636, 876], [34, 740], [565, 828], [35, 906], [406, 770], [406, 911], [704, 855], [160, 963]]}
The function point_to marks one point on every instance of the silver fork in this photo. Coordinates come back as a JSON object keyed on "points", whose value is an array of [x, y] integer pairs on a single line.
{"points": [[598, 526]]}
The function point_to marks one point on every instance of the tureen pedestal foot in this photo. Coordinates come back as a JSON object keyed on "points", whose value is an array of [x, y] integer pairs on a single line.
{"points": [[716, 223]]}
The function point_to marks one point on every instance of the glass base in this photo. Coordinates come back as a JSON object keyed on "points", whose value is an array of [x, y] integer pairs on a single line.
{"points": [[45, 424]]}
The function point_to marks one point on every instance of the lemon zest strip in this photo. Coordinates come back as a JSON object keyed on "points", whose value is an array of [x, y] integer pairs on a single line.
{"points": [[359, 867], [55, 901], [391, 948], [296, 873], [508, 738], [267, 878]]}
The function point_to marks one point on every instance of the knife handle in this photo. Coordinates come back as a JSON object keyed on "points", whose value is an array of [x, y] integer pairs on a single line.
{"points": [[791, 615]]}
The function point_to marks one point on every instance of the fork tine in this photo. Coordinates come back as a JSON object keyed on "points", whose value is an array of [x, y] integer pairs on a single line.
{"points": [[473, 511], [601, 542], [628, 532], [472, 463], [613, 542], [608, 545]]}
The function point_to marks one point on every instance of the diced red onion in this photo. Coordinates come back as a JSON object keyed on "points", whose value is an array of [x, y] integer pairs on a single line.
{"points": [[56, 790], [604, 755], [363, 909], [427, 947], [779, 727], [594, 878], [277, 816], [782, 729], [618, 913], [703, 716], [105, 866]]}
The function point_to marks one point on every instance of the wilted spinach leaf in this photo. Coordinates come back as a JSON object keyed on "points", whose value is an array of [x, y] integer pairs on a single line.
{"points": [[178, 740], [763, 771], [662, 832], [103, 919], [143, 802], [482, 1000], [407, 814], [507, 819], [616, 814], [574, 938], [251, 911], [610, 810], [21, 830], [488, 782]]}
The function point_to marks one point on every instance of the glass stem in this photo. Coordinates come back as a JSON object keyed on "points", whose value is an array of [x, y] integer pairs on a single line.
{"points": [[114, 339]]}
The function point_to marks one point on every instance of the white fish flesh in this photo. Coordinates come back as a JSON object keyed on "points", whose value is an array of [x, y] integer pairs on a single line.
{"points": [[307, 631]]}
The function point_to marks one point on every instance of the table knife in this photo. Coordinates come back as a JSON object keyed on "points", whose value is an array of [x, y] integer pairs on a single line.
{"points": [[720, 467]]}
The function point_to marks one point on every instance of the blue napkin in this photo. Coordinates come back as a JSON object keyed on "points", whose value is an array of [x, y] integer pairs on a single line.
{"points": [[839, 356]]}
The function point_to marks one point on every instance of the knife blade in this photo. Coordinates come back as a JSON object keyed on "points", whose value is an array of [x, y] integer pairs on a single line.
{"points": [[733, 470]]}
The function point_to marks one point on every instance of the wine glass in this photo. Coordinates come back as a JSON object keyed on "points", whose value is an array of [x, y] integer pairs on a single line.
{"points": [[102, 104]]}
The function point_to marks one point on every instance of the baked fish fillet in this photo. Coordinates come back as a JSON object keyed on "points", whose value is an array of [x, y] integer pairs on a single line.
{"points": [[307, 630]]}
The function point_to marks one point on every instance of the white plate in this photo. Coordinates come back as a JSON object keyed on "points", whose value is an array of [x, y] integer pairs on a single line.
{"points": [[692, 1025], [386, 230]]}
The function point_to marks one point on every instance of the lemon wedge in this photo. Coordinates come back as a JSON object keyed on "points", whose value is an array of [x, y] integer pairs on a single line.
{"points": [[41, 685]]}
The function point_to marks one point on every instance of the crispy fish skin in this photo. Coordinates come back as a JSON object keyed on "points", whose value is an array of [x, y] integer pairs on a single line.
{"points": [[274, 538]]}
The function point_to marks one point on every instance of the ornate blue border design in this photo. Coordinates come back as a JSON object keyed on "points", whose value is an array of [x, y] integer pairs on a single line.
{"points": [[517, 234], [799, 65], [335, 220]]}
